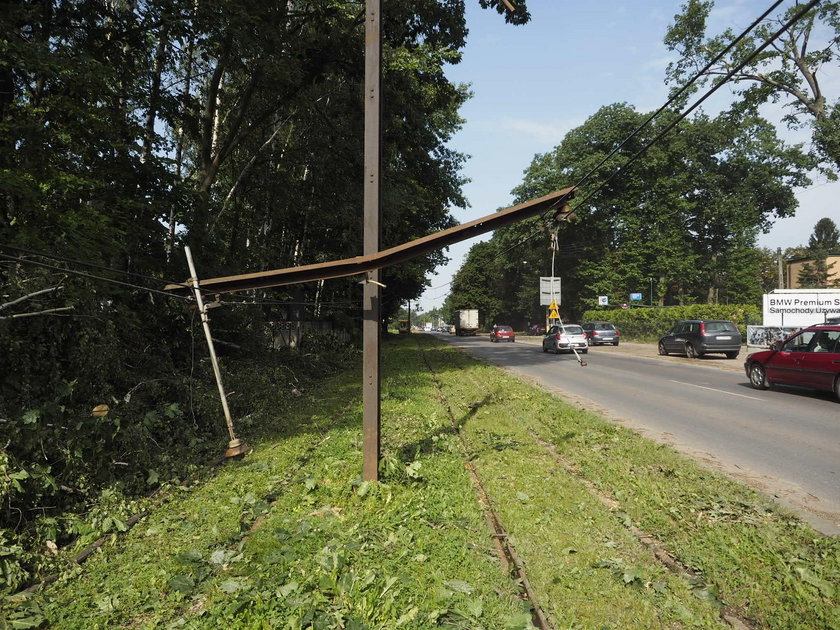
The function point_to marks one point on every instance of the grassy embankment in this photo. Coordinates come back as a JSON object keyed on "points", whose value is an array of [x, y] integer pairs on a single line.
{"points": [[291, 538]]}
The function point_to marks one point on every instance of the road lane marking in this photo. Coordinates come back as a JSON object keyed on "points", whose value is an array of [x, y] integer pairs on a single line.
{"points": [[715, 390]]}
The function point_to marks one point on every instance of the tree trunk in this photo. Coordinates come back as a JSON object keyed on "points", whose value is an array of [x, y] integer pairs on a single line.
{"points": [[154, 93]]}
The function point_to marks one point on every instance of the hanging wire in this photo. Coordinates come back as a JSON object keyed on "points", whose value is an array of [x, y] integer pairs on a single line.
{"points": [[680, 92], [90, 265], [90, 276], [723, 80], [240, 302], [798, 16]]}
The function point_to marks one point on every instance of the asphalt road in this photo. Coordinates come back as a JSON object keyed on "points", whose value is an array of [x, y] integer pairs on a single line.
{"points": [[785, 442]]}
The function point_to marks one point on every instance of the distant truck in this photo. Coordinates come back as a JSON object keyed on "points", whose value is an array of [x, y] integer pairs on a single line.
{"points": [[466, 322]]}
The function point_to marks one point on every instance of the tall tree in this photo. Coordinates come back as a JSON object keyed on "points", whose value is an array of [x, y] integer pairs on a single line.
{"points": [[818, 273], [686, 215], [789, 71], [825, 238]]}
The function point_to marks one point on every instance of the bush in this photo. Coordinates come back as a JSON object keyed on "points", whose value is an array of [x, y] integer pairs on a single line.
{"points": [[69, 475]]}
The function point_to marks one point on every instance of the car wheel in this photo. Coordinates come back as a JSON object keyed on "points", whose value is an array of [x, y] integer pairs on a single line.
{"points": [[512, 340], [837, 387], [584, 351], [731, 355], [544, 348], [615, 343], [662, 350], [758, 378], [690, 351]]}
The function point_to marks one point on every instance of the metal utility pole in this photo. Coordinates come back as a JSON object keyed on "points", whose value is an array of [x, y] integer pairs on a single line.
{"points": [[781, 272], [371, 304]]}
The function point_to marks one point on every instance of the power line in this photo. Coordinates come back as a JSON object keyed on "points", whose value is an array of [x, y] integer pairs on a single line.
{"points": [[679, 93], [344, 305], [798, 16], [737, 68], [82, 263], [88, 275], [288, 303]]}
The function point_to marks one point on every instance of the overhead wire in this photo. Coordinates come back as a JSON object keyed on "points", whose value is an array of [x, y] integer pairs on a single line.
{"points": [[671, 100], [145, 277], [90, 276], [720, 83], [678, 94], [91, 265]]}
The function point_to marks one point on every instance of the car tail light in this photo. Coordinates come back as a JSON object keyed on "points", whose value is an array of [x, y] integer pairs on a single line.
{"points": [[702, 328], [617, 334], [594, 333], [559, 336]]}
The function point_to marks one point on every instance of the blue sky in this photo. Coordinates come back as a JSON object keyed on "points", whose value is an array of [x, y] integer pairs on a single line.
{"points": [[534, 83]]}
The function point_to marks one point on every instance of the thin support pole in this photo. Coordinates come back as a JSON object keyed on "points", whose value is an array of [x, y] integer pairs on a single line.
{"points": [[235, 446], [371, 305]]}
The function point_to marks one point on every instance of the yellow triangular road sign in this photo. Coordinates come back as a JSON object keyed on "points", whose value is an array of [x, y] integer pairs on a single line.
{"points": [[553, 305], [554, 314]]}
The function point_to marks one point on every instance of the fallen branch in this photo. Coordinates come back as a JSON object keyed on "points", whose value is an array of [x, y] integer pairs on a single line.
{"points": [[28, 297]]}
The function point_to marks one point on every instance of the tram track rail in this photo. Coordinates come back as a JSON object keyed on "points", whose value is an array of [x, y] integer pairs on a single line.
{"points": [[509, 559], [658, 550]]}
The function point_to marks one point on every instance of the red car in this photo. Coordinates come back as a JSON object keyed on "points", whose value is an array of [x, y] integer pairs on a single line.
{"points": [[502, 333], [809, 358]]}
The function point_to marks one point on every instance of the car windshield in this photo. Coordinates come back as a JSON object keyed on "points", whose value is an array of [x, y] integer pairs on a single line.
{"points": [[720, 327], [504, 328], [574, 330], [605, 327]]}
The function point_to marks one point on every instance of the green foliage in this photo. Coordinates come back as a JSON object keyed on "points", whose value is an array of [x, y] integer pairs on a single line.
{"points": [[825, 238], [818, 273], [128, 130], [787, 71], [476, 284], [659, 223]]}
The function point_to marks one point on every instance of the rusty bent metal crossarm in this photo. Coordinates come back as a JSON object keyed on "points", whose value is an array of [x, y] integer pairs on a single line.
{"points": [[556, 201]]}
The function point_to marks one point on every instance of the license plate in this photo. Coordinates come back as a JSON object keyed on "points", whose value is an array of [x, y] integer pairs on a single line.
{"points": [[724, 337]]}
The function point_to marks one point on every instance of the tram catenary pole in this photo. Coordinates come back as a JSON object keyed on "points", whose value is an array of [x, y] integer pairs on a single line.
{"points": [[371, 305]]}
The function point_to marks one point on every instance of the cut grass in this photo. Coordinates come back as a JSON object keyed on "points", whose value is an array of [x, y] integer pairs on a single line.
{"points": [[764, 565], [290, 537]]}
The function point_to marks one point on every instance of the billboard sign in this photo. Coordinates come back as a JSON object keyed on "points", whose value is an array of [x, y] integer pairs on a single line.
{"points": [[800, 307]]}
